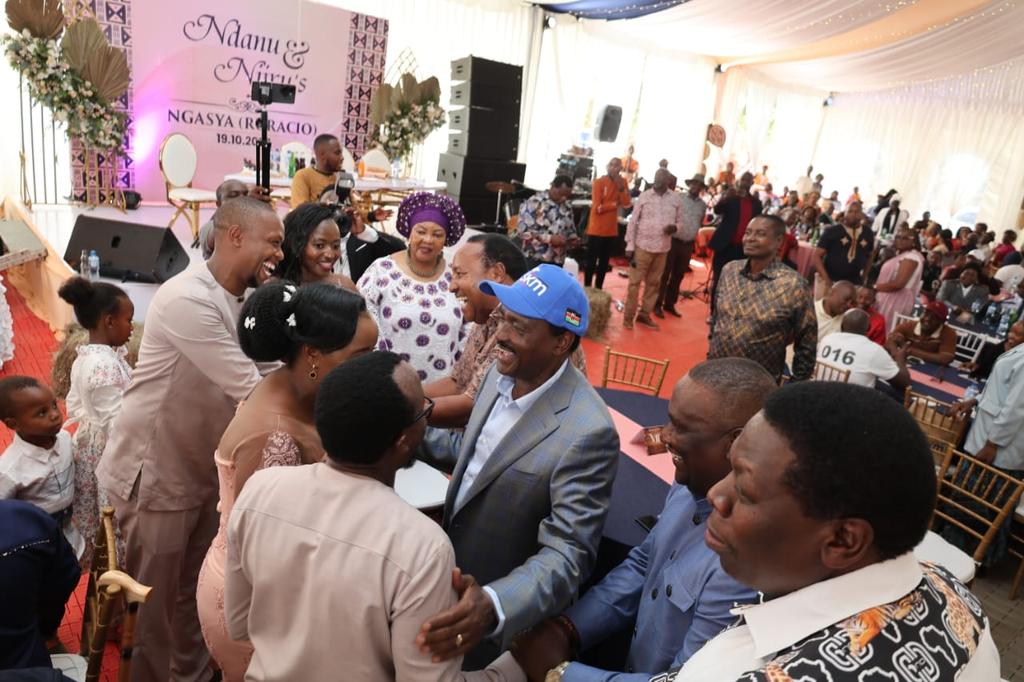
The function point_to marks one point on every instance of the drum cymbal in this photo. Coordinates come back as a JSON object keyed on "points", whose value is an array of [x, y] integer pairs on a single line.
{"points": [[499, 186]]}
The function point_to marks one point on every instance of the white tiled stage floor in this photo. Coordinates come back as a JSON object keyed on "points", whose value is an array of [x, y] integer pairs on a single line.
{"points": [[56, 223]]}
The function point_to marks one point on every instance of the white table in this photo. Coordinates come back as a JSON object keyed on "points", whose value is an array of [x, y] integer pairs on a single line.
{"points": [[362, 184], [422, 486]]}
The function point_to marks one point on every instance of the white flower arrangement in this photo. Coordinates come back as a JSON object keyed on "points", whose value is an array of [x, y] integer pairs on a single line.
{"points": [[405, 115], [53, 82]]}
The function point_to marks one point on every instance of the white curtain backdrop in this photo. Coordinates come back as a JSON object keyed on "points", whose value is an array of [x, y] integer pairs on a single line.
{"points": [[946, 146], [440, 31], [767, 123], [666, 99]]}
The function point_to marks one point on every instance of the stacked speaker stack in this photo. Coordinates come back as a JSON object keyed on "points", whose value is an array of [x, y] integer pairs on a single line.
{"points": [[484, 134]]}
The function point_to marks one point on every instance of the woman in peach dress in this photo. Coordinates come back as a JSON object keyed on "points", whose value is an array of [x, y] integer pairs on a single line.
{"points": [[311, 330]]}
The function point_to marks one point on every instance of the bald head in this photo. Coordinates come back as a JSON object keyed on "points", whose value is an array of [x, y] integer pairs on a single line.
{"points": [[839, 298], [739, 385], [242, 211], [231, 189], [662, 179], [856, 321]]}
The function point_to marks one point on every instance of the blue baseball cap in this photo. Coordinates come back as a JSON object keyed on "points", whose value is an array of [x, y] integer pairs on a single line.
{"points": [[546, 293]]}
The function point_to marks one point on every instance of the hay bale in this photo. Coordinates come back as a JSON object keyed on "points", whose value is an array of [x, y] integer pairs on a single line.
{"points": [[74, 336], [600, 311]]}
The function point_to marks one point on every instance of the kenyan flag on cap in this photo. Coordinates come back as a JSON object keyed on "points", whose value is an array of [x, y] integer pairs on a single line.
{"points": [[572, 317]]}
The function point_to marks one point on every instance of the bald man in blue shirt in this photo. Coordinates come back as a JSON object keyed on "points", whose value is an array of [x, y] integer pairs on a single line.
{"points": [[671, 590]]}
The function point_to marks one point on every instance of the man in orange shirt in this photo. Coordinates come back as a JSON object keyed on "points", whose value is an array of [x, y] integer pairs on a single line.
{"points": [[610, 192]]}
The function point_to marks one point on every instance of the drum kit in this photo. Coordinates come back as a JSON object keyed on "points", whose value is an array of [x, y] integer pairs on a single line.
{"points": [[509, 193]]}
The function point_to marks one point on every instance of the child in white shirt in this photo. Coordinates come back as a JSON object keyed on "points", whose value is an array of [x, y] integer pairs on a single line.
{"points": [[37, 467]]}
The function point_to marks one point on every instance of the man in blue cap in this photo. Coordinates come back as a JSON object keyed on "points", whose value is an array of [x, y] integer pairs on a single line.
{"points": [[531, 474]]}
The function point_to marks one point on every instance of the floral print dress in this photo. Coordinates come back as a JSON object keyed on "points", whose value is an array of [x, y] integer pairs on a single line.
{"points": [[99, 376], [421, 321]]}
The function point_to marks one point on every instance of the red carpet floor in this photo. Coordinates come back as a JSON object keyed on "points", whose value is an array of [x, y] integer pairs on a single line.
{"points": [[34, 346], [683, 341]]}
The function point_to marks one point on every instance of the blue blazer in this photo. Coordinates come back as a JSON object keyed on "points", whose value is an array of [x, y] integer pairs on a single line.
{"points": [[530, 524]]}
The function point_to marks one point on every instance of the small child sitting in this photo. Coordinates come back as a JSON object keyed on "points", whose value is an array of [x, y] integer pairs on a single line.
{"points": [[38, 467]]}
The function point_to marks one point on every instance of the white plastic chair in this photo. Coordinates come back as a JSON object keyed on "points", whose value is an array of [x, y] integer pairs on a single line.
{"points": [[377, 162], [178, 162], [968, 345]]}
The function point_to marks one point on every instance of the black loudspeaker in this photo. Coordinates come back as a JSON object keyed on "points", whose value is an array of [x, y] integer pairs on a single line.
{"points": [[494, 85], [127, 251], [482, 132], [608, 124], [466, 176]]}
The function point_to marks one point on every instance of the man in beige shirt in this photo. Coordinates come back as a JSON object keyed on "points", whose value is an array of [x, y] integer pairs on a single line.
{"points": [[329, 572], [158, 467], [829, 310]]}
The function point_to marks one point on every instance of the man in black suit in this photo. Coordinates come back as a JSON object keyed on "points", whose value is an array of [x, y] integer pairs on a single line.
{"points": [[737, 209]]}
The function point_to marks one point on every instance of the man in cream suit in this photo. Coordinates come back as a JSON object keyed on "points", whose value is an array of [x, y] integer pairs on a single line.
{"points": [[158, 467], [532, 474]]}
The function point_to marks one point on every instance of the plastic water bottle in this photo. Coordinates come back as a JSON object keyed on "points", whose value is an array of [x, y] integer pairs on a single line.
{"points": [[972, 391], [1004, 325], [275, 160], [992, 319], [83, 264], [94, 265], [292, 165], [976, 307]]}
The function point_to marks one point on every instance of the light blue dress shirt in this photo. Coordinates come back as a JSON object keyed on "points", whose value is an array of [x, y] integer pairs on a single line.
{"points": [[503, 417], [1000, 416], [672, 586]]}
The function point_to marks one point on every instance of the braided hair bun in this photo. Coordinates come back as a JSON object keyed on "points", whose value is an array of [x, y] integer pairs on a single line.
{"points": [[263, 331], [279, 318]]}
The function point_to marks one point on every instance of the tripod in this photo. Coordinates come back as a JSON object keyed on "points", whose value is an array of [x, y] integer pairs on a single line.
{"points": [[701, 292], [263, 153]]}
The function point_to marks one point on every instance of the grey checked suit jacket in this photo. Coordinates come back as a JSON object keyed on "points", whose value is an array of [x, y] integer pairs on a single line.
{"points": [[530, 524]]}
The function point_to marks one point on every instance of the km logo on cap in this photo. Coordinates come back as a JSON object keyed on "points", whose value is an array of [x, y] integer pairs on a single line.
{"points": [[534, 283]]}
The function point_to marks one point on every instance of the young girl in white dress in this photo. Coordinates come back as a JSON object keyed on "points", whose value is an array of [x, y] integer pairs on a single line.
{"points": [[99, 376]]}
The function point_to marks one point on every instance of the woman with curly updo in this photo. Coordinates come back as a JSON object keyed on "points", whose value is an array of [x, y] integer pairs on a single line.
{"points": [[311, 329]]}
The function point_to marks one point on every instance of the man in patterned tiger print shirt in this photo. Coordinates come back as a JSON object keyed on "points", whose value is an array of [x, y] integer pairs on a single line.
{"points": [[832, 487]]}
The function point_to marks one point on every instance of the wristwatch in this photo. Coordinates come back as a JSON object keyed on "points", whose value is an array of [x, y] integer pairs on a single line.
{"points": [[555, 674]]}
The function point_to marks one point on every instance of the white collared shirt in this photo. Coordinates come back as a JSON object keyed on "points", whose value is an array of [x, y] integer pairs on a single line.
{"points": [[505, 414], [369, 235], [772, 626], [45, 478]]}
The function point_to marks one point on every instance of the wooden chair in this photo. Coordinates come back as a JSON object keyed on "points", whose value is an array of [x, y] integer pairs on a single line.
{"points": [[178, 163], [935, 417], [1017, 550], [633, 370], [104, 558], [940, 449], [116, 586], [826, 372], [975, 498]]}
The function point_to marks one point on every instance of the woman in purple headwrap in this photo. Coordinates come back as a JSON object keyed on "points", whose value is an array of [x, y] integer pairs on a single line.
{"points": [[407, 292]]}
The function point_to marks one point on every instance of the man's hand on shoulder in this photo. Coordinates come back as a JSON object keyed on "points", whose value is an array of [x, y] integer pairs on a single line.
{"points": [[454, 632]]}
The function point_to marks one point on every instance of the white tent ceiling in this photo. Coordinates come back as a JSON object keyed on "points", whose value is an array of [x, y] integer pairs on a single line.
{"points": [[837, 45]]}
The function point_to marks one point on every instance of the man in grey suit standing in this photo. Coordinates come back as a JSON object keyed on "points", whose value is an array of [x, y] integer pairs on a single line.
{"points": [[531, 475]]}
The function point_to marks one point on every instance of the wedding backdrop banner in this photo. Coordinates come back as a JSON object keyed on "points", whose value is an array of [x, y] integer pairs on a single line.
{"points": [[193, 69]]}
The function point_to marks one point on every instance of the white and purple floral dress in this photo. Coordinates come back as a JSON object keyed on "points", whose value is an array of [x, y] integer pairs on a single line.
{"points": [[421, 321]]}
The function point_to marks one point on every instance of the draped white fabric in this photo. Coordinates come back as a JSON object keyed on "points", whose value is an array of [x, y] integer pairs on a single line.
{"points": [[439, 31], [769, 124], [946, 146], [732, 28], [666, 102], [978, 40]]}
